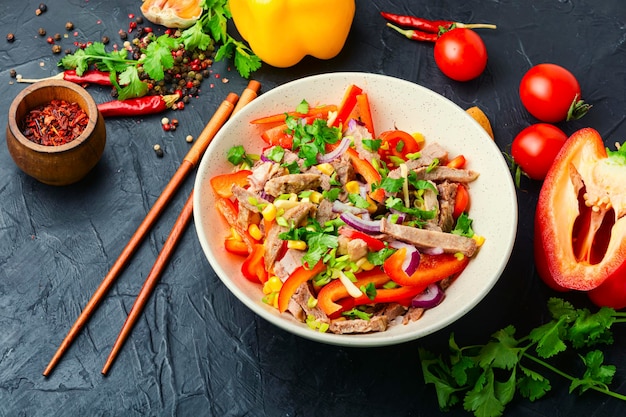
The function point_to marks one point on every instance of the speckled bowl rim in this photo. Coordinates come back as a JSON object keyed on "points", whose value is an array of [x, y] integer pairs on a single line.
{"points": [[395, 103]]}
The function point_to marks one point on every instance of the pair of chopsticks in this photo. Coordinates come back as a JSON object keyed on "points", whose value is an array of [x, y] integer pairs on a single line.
{"points": [[232, 104]]}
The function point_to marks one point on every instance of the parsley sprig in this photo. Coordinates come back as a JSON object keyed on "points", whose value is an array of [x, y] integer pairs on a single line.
{"points": [[486, 377]]}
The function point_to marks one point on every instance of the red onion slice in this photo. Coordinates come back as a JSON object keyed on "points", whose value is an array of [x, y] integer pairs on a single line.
{"points": [[431, 297], [412, 259], [335, 153], [366, 226], [340, 207]]}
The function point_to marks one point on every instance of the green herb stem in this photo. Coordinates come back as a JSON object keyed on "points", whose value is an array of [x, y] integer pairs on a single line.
{"points": [[571, 378]]}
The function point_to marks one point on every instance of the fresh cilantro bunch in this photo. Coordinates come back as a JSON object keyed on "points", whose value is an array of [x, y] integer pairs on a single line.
{"points": [[209, 30], [486, 377], [213, 25]]}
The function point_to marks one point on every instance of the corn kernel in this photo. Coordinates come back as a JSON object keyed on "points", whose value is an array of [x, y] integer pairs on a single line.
{"points": [[364, 264], [285, 204], [234, 234], [479, 240], [316, 197], [266, 288], [353, 187], [372, 207], [274, 283], [269, 212], [326, 168], [419, 138], [275, 303], [296, 244], [255, 232]]}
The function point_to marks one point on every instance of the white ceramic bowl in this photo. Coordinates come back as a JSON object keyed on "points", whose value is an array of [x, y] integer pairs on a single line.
{"points": [[395, 103]]}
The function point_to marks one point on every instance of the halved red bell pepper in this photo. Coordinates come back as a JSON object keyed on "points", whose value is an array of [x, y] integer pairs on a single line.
{"points": [[432, 268], [222, 184], [253, 268], [580, 222], [335, 290], [301, 275], [372, 243]]}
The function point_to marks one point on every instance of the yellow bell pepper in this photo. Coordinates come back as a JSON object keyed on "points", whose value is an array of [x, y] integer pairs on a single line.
{"points": [[282, 32]]}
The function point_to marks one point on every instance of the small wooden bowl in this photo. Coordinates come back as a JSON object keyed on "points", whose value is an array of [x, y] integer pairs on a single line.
{"points": [[63, 164]]}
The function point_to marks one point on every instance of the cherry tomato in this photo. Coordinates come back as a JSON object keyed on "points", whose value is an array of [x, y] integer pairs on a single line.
{"points": [[396, 144], [535, 148], [548, 91], [461, 54]]}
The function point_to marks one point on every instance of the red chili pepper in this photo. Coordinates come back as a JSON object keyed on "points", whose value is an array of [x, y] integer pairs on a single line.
{"points": [[137, 106], [431, 26], [416, 35], [88, 77]]}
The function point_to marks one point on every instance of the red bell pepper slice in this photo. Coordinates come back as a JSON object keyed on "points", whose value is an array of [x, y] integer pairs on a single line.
{"points": [[278, 136], [236, 246], [253, 268], [580, 226], [461, 201], [222, 184], [365, 112], [228, 210], [368, 172], [335, 290], [347, 105], [372, 243], [397, 144], [458, 162], [320, 112], [432, 268], [301, 275]]}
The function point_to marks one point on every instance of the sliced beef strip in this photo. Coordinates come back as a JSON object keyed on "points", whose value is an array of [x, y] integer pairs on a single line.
{"points": [[431, 202], [246, 198], [292, 183], [430, 152], [262, 172], [443, 173], [344, 169], [413, 314], [354, 248], [421, 238], [374, 324], [273, 243], [324, 211], [288, 263], [447, 197], [302, 296]]}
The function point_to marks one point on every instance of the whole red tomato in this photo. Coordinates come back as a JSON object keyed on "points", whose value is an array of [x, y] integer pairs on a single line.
{"points": [[461, 54], [535, 148], [552, 94]]}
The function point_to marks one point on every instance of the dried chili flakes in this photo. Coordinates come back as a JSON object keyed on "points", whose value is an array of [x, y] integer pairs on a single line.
{"points": [[56, 123]]}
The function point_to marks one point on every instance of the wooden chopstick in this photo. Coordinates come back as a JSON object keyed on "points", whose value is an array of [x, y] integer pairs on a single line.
{"points": [[181, 223], [192, 158]]}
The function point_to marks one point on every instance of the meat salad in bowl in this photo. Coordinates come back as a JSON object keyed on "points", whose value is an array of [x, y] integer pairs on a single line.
{"points": [[343, 225]]}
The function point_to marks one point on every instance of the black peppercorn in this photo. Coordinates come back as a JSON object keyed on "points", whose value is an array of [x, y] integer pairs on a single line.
{"points": [[42, 32], [56, 49], [42, 7], [123, 35], [13, 73], [69, 26], [105, 40]]}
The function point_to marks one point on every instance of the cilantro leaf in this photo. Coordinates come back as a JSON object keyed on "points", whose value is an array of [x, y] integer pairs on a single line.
{"points": [[132, 86], [502, 352], [532, 385], [596, 375], [482, 399]]}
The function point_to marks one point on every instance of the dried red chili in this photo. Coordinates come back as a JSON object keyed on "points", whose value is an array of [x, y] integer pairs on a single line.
{"points": [[56, 123], [432, 26], [138, 106]]}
